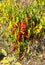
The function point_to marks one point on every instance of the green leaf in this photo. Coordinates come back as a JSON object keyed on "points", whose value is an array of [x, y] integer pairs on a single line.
{"points": [[4, 52], [18, 63], [28, 31], [12, 59]]}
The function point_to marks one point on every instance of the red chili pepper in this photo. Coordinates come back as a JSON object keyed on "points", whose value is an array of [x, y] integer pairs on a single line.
{"points": [[30, 25], [11, 17], [13, 30], [28, 17], [23, 26], [19, 36]]}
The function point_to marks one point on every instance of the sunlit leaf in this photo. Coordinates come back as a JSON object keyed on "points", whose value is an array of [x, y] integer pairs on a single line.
{"points": [[4, 52], [18, 63]]}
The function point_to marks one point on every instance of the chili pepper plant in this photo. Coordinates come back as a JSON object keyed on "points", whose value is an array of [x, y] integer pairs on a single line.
{"points": [[23, 24]]}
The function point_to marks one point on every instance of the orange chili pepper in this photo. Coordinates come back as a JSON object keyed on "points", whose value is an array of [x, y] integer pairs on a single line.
{"points": [[23, 26]]}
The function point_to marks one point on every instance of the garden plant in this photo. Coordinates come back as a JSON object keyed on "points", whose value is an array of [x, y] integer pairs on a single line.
{"points": [[22, 29]]}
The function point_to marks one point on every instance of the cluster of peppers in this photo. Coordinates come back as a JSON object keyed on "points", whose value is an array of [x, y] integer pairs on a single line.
{"points": [[23, 29]]}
